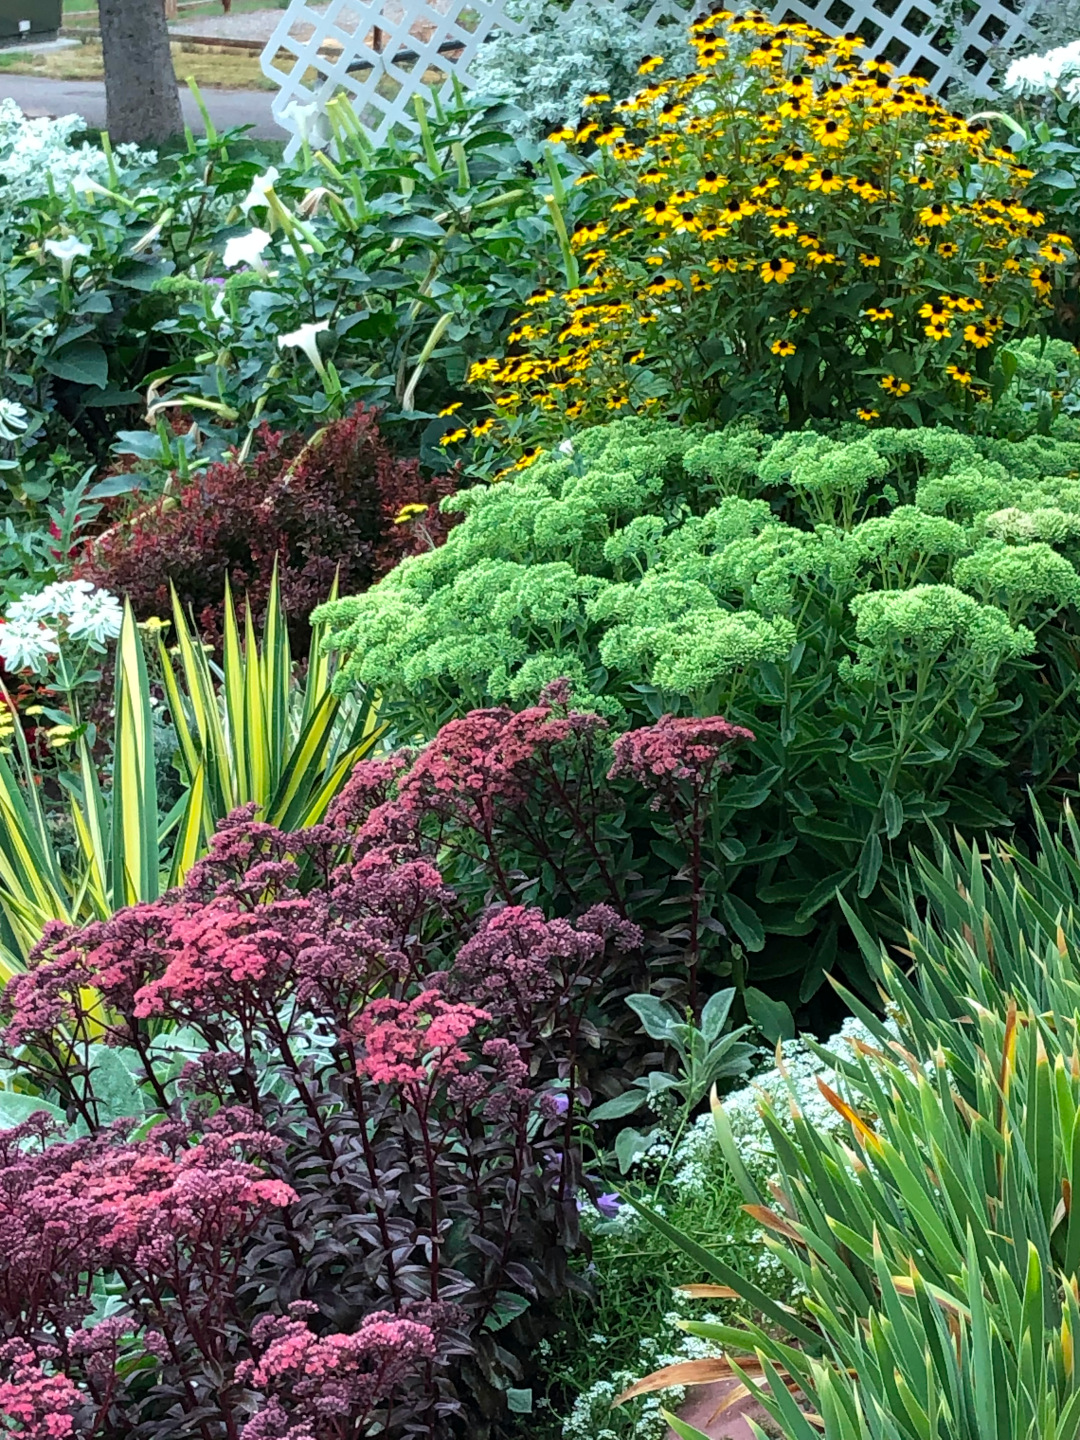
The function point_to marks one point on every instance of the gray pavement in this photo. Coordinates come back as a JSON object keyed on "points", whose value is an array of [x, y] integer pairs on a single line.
{"points": [[40, 95]]}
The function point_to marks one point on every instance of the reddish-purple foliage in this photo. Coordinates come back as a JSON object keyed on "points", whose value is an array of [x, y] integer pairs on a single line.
{"points": [[320, 509], [377, 1116]]}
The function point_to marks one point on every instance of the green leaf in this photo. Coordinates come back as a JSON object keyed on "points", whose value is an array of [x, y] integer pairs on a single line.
{"points": [[15, 1108], [869, 865], [656, 1016], [681, 1428], [772, 1017], [744, 920], [519, 1402], [630, 1145], [84, 362], [508, 1306], [621, 1106], [715, 1013]]}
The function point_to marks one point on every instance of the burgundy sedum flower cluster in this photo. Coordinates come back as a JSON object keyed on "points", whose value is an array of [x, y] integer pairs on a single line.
{"points": [[362, 1052]]}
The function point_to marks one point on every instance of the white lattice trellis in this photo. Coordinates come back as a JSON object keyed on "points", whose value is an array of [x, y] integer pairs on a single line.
{"points": [[379, 51]]}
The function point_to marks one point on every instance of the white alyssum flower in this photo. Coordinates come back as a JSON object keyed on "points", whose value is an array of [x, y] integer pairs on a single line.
{"points": [[26, 644], [259, 186], [246, 250], [13, 419], [306, 338], [67, 251]]}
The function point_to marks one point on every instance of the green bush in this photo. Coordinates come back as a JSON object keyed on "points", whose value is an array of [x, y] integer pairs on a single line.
{"points": [[937, 1239], [892, 615]]}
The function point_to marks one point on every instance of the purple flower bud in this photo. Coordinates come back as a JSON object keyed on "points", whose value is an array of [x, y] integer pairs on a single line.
{"points": [[609, 1205]]}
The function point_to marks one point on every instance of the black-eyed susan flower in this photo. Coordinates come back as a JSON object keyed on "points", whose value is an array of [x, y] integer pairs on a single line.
{"points": [[827, 181], [784, 229], [934, 310], [563, 135], [652, 177], [661, 285], [659, 213], [610, 136], [870, 261], [686, 223], [649, 64], [866, 414], [450, 409], [979, 334], [948, 249], [453, 436], [626, 203], [724, 264], [778, 269], [935, 214], [597, 99], [893, 385], [798, 160], [484, 427], [711, 182], [409, 512], [1042, 281], [783, 347], [820, 257], [937, 330], [1054, 253], [959, 374], [830, 132]]}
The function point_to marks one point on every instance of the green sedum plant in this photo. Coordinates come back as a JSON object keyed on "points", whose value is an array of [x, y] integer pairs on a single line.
{"points": [[893, 615]]}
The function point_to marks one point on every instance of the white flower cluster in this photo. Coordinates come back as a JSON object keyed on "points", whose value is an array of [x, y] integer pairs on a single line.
{"points": [[1038, 74], [33, 150], [31, 627]]}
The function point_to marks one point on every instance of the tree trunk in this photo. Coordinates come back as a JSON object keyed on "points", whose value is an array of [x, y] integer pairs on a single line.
{"points": [[142, 102]]}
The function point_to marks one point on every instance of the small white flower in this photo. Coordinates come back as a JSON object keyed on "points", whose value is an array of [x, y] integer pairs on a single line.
{"points": [[97, 619], [55, 602], [26, 644], [246, 250], [67, 251], [306, 339], [259, 186], [566, 447], [13, 419]]}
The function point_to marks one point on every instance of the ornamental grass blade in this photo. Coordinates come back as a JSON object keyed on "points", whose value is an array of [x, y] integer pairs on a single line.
{"points": [[136, 872], [708, 1371]]}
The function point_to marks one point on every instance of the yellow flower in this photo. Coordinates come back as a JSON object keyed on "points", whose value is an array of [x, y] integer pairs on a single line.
{"points": [[451, 409], [563, 135], [627, 203], [453, 436], [659, 213], [483, 427], [409, 512], [538, 297], [820, 257], [1042, 282], [829, 132], [798, 160], [687, 223], [783, 347], [893, 385], [784, 228], [599, 99], [947, 249], [650, 63], [934, 310], [979, 335], [661, 284], [711, 182], [1054, 253], [938, 330], [870, 261], [721, 263], [959, 374], [778, 269], [935, 214], [827, 181], [865, 414], [611, 136]]}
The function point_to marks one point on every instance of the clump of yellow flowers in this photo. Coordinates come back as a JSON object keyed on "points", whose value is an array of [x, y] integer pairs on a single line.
{"points": [[789, 229]]}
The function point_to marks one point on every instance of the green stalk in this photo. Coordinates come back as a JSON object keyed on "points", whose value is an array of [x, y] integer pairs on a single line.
{"points": [[426, 136], [211, 133], [570, 263]]}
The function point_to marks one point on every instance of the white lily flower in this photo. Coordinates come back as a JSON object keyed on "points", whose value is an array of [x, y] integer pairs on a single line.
{"points": [[306, 339], [26, 645], [13, 419], [66, 251], [309, 122], [246, 250], [259, 186]]}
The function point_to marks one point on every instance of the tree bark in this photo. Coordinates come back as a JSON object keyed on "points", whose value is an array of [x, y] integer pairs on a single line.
{"points": [[142, 102]]}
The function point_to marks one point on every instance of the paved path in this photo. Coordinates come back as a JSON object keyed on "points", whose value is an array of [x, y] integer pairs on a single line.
{"points": [[40, 95]]}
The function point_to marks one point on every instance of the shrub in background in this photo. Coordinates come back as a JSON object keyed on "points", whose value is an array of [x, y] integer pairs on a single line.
{"points": [[564, 56], [892, 614], [322, 509], [785, 231], [405, 1050]]}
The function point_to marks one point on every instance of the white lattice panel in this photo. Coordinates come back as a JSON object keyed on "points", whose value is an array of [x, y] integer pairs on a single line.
{"points": [[378, 52]]}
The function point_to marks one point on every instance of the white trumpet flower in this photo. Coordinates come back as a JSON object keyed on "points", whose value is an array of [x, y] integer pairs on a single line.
{"points": [[246, 250], [67, 251], [306, 338]]}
